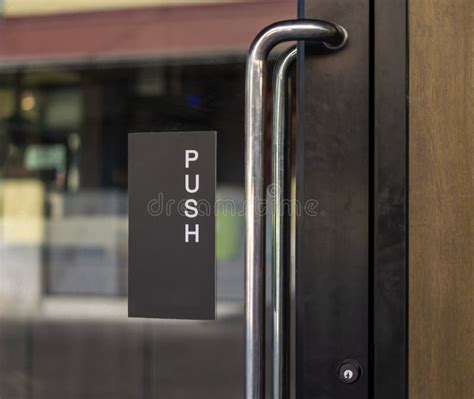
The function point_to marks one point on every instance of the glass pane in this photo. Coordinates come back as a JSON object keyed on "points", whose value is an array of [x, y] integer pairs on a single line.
{"points": [[75, 79]]}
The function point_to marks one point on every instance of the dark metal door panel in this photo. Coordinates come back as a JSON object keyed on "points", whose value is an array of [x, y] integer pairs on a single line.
{"points": [[333, 258], [390, 199]]}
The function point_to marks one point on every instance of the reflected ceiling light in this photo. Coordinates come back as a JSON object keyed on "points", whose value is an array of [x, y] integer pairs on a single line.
{"points": [[28, 102]]}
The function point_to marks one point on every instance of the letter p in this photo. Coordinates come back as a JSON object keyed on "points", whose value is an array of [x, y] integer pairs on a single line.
{"points": [[190, 156]]}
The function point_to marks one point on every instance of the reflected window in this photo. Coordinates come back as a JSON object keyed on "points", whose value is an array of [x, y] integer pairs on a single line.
{"points": [[64, 134]]}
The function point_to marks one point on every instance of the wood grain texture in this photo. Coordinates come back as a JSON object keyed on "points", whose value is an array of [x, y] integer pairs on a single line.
{"points": [[441, 199]]}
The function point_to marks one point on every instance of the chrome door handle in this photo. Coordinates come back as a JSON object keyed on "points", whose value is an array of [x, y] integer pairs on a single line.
{"points": [[334, 37], [279, 128]]}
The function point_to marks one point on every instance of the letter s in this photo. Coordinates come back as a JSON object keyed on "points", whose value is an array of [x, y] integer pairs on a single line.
{"points": [[191, 205]]}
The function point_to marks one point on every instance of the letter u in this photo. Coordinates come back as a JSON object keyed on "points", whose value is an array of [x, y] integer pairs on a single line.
{"points": [[196, 184]]}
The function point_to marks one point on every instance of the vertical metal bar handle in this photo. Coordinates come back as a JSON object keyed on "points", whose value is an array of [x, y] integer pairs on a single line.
{"points": [[333, 36], [280, 277]]}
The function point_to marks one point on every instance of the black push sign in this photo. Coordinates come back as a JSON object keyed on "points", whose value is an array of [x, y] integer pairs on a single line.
{"points": [[171, 188]]}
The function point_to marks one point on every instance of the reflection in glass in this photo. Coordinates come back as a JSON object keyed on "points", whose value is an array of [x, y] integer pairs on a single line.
{"points": [[73, 83]]}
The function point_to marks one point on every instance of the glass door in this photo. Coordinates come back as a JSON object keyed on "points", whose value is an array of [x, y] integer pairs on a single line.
{"points": [[75, 79], [78, 77]]}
